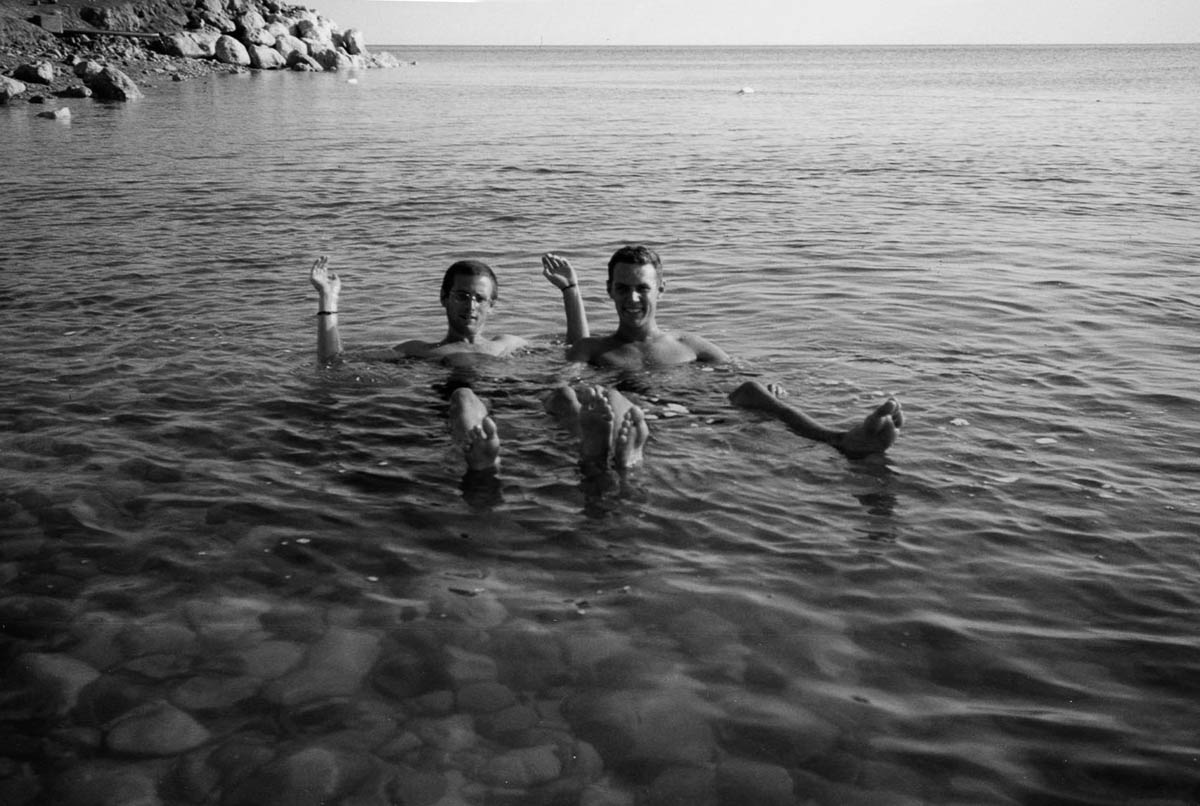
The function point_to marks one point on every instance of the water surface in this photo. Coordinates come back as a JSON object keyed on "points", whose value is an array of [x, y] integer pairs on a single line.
{"points": [[1000, 611]]}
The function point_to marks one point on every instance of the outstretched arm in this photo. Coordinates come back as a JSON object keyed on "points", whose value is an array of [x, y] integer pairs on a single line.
{"points": [[329, 288], [706, 351], [875, 434], [561, 275]]}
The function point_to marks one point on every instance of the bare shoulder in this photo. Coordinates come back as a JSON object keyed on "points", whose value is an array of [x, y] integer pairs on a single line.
{"points": [[705, 350], [505, 344], [414, 348]]}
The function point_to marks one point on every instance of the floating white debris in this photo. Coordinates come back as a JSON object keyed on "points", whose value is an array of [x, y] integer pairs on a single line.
{"points": [[1045, 440], [352, 81], [746, 91], [959, 421]]}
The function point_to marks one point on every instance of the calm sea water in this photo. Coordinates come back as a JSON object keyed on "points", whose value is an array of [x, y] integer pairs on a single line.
{"points": [[1001, 611]]}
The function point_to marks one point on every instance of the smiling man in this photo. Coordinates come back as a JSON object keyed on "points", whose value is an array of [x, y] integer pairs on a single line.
{"points": [[635, 284]]}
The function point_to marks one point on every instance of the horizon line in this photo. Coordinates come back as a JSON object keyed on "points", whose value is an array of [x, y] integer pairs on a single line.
{"points": [[785, 44]]}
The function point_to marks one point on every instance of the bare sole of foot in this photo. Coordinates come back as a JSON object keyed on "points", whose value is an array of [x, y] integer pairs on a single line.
{"points": [[482, 446], [631, 438], [595, 426]]}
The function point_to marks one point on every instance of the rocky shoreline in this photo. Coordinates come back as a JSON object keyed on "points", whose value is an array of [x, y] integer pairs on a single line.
{"points": [[115, 51]]}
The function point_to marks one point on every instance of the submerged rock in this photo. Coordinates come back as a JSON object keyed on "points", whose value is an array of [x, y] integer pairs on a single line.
{"points": [[213, 693], [312, 776], [523, 768], [335, 667], [155, 729], [644, 728], [56, 678], [485, 697], [98, 783], [744, 781], [685, 786]]}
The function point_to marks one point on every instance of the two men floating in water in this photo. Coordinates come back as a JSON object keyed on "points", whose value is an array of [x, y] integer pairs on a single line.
{"points": [[612, 429]]}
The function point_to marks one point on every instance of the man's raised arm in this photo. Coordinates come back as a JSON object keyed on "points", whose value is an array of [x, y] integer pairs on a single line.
{"points": [[329, 288], [562, 276]]}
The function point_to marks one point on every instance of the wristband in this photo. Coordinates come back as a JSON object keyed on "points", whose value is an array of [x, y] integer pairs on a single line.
{"points": [[326, 313], [565, 287]]}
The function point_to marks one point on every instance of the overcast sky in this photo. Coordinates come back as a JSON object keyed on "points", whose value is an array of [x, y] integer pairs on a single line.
{"points": [[768, 22]]}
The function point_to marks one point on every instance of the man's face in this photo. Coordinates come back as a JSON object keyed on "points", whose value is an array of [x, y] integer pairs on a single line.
{"points": [[468, 304], [634, 289]]}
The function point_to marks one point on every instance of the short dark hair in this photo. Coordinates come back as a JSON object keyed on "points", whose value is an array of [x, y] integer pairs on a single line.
{"points": [[469, 268], [636, 256]]}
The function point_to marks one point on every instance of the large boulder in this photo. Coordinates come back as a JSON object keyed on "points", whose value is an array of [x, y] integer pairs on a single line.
{"points": [[35, 73], [258, 36], [212, 12], [230, 51], [249, 20], [354, 42], [302, 62], [188, 45], [315, 27], [265, 58], [324, 52], [87, 69], [110, 84], [342, 63], [9, 89], [207, 40], [288, 44]]}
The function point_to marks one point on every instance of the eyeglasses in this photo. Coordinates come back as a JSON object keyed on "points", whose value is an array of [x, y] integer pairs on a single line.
{"points": [[467, 296]]}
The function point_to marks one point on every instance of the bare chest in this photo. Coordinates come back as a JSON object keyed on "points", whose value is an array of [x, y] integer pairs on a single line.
{"points": [[635, 355]]}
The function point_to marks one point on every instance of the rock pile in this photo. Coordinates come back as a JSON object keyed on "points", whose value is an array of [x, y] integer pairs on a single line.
{"points": [[275, 37], [194, 37]]}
